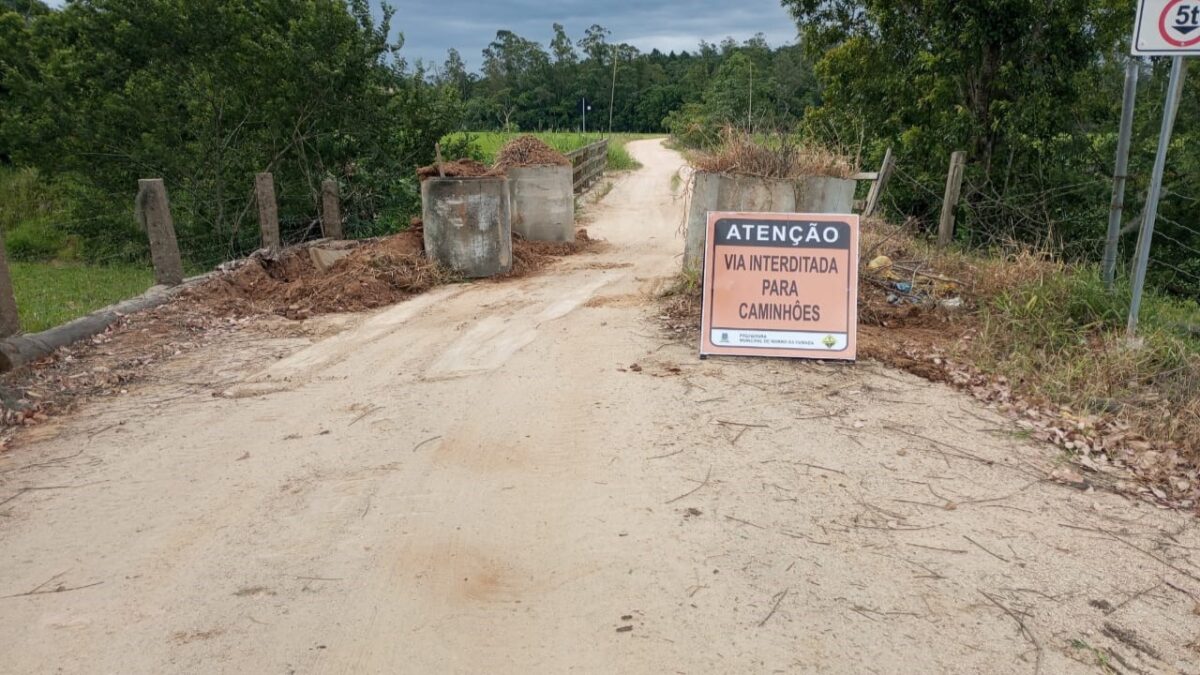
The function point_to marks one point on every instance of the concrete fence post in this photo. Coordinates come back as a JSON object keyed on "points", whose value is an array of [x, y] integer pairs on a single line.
{"points": [[10, 321], [958, 164], [153, 210], [268, 210], [331, 212]]}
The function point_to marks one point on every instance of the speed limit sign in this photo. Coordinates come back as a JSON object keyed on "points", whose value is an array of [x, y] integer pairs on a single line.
{"points": [[1167, 27]]}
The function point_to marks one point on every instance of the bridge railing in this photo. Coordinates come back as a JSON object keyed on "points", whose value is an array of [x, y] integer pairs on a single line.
{"points": [[589, 163]]}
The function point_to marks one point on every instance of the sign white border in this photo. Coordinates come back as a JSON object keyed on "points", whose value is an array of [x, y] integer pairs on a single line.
{"points": [[1148, 38]]}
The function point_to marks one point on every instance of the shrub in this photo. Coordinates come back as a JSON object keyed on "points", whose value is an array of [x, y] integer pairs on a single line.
{"points": [[33, 241]]}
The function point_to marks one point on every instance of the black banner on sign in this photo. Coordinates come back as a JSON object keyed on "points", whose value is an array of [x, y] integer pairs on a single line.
{"points": [[782, 234]]}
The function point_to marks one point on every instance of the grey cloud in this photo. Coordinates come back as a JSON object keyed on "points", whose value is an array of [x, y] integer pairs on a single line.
{"points": [[430, 28]]}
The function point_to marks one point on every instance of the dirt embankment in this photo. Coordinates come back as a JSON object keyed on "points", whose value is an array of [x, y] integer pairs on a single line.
{"points": [[297, 284]]}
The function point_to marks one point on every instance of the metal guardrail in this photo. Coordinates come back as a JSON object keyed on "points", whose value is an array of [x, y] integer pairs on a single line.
{"points": [[589, 163]]}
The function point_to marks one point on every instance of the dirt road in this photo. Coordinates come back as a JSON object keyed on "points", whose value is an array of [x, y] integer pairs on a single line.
{"points": [[478, 480]]}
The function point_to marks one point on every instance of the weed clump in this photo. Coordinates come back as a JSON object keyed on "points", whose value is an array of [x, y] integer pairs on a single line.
{"points": [[776, 157], [1060, 335]]}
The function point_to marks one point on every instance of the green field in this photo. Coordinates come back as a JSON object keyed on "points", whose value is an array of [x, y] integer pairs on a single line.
{"points": [[50, 294], [488, 143]]}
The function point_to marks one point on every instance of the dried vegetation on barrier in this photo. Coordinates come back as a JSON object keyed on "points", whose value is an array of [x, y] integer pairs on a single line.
{"points": [[775, 157]]}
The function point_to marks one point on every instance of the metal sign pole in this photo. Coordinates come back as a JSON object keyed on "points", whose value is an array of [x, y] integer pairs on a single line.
{"points": [[1121, 174], [1174, 91]]}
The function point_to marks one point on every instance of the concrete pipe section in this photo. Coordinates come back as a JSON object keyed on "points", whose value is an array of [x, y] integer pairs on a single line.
{"points": [[468, 224], [543, 202], [724, 192]]}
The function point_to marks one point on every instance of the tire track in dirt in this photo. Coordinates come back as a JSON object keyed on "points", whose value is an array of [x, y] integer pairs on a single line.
{"points": [[479, 480]]}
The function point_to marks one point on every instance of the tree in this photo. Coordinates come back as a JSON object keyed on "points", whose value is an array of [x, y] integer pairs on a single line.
{"points": [[454, 74], [595, 43], [998, 78], [208, 93], [514, 71], [562, 48]]}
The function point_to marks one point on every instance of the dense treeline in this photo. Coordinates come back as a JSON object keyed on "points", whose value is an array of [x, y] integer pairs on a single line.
{"points": [[208, 92], [526, 86], [205, 94], [1031, 91]]}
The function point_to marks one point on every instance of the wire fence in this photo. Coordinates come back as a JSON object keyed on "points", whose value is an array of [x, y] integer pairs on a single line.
{"points": [[1057, 221], [96, 250], [218, 222]]}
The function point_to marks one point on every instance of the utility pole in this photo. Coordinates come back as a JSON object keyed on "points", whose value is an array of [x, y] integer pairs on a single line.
{"points": [[750, 114], [586, 108], [612, 97]]}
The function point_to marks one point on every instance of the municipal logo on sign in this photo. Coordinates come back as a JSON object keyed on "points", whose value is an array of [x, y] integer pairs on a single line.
{"points": [[1167, 27]]}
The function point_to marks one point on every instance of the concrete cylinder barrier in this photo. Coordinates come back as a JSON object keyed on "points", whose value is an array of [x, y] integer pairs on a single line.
{"points": [[468, 224], [725, 192], [543, 202]]}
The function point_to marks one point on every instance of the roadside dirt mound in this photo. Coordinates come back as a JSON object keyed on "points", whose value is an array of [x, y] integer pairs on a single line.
{"points": [[365, 276], [529, 151], [531, 256], [463, 168], [369, 274]]}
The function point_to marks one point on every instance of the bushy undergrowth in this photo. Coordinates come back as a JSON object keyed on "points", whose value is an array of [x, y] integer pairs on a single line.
{"points": [[1057, 332], [30, 215]]}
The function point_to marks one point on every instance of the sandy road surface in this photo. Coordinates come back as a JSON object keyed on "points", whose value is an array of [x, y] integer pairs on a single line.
{"points": [[476, 481]]}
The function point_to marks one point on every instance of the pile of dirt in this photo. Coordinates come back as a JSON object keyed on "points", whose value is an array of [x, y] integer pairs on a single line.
{"points": [[531, 256], [527, 150], [365, 275], [294, 285], [462, 168]]}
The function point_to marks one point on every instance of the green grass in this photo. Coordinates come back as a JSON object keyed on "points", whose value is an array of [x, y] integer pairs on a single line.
{"points": [[1058, 333], [50, 294], [485, 144]]}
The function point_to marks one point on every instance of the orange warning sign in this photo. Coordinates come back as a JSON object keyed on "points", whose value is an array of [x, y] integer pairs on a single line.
{"points": [[781, 284]]}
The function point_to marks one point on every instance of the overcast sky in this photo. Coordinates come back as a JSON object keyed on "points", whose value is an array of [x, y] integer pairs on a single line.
{"points": [[430, 28]]}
